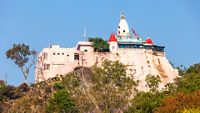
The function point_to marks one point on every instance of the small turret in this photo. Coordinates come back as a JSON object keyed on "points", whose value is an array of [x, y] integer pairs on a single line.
{"points": [[112, 42]]}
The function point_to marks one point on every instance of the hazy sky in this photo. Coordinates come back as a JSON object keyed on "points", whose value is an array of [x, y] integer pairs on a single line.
{"points": [[172, 23]]}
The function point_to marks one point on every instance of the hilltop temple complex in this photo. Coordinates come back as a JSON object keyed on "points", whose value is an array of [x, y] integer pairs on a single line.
{"points": [[142, 57]]}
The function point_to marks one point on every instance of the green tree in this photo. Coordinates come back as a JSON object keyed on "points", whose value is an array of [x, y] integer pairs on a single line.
{"points": [[61, 103], [190, 81], [20, 54], [112, 87], [153, 82], [99, 43], [145, 102]]}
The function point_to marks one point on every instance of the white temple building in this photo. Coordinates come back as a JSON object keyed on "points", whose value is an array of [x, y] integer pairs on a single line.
{"points": [[141, 57]]}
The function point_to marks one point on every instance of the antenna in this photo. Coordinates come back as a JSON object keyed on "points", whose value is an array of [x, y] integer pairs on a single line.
{"points": [[50, 43], [6, 78], [85, 33]]}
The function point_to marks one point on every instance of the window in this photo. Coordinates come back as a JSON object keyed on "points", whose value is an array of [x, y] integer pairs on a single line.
{"points": [[124, 31], [85, 50], [58, 53], [46, 66], [62, 53], [113, 47], [45, 55], [67, 55], [54, 53], [76, 56]]}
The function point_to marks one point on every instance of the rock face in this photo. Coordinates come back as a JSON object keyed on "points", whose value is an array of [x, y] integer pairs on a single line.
{"points": [[139, 62]]}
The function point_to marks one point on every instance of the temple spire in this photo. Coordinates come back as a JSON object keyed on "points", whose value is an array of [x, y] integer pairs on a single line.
{"points": [[123, 29], [122, 15]]}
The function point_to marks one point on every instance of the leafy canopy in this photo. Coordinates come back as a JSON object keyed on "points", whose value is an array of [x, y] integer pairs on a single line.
{"points": [[113, 86], [99, 43], [20, 54], [190, 81], [153, 82], [145, 102]]}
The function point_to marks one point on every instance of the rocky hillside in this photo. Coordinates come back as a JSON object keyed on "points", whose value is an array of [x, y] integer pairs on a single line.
{"points": [[104, 89], [93, 89]]}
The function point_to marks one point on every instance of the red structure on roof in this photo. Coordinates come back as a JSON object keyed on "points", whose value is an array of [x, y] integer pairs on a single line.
{"points": [[112, 38], [149, 41]]}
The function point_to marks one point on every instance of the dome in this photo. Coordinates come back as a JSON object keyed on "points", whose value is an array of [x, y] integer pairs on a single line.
{"points": [[112, 38], [149, 41]]}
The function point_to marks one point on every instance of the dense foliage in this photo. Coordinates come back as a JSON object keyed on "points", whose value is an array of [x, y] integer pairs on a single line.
{"points": [[190, 80], [113, 87], [145, 102], [153, 82], [61, 103], [178, 102]]}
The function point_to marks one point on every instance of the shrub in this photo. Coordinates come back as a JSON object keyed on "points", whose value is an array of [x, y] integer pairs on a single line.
{"points": [[61, 102], [190, 81], [145, 102], [153, 82], [179, 101]]}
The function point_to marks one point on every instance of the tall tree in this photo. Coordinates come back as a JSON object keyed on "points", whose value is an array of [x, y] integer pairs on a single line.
{"points": [[20, 54], [112, 86]]}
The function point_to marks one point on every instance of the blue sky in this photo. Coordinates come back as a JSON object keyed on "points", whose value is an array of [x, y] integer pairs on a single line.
{"points": [[172, 23]]}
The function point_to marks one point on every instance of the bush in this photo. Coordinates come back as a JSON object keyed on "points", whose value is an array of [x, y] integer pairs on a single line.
{"points": [[61, 102], [145, 102], [190, 81], [153, 82], [180, 101], [24, 87]]}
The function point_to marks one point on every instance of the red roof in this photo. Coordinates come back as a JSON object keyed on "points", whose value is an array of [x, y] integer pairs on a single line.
{"points": [[112, 38], [149, 41]]}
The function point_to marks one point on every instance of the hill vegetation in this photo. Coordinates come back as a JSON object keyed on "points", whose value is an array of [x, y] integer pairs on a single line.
{"points": [[104, 89]]}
